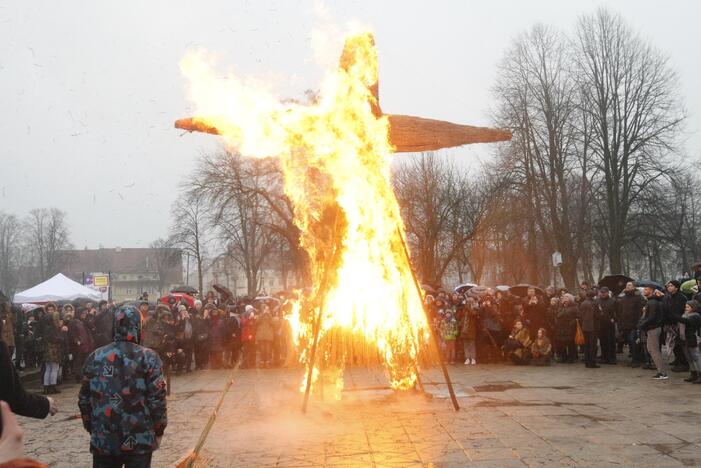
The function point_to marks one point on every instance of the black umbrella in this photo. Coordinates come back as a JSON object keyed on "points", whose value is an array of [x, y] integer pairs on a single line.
{"points": [[226, 294], [649, 284], [463, 288], [616, 283], [184, 290], [521, 290]]}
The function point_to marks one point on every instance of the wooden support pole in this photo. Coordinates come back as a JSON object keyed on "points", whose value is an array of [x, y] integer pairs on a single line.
{"points": [[419, 383], [320, 299], [434, 341], [312, 357]]}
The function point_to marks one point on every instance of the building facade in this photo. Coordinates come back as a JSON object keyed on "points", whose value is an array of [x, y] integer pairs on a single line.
{"points": [[226, 272], [131, 271]]}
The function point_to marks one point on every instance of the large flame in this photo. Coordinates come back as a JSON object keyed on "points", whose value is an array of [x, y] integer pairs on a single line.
{"points": [[335, 155]]}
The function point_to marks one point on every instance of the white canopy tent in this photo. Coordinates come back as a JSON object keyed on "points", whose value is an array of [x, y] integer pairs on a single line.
{"points": [[58, 288]]}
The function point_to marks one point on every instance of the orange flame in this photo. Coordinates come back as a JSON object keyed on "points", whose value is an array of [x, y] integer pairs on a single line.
{"points": [[335, 155]]}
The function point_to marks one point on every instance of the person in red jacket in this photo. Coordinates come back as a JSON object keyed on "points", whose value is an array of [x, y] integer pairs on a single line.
{"points": [[79, 342]]}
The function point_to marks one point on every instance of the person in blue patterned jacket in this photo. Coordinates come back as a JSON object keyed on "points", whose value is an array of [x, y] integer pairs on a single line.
{"points": [[122, 397]]}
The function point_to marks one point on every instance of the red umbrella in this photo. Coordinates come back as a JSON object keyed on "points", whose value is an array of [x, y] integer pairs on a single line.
{"points": [[178, 296]]}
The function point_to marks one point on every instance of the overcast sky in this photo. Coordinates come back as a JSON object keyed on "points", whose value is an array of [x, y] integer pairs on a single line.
{"points": [[89, 90]]}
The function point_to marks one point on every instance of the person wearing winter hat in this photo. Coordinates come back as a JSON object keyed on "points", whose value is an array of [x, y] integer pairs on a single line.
{"points": [[218, 337], [54, 344], [689, 328], [248, 337], [201, 333], [184, 340], [697, 296], [449, 334]]}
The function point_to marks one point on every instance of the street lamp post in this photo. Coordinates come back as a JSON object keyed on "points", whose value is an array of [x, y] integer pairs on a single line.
{"points": [[187, 270]]}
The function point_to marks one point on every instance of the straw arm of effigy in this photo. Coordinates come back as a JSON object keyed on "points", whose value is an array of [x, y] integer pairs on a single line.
{"points": [[408, 134]]}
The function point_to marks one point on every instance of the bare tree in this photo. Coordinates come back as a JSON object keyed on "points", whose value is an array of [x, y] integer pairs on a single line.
{"points": [[10, 252], [47, 236], [663, 228], [442, 209], [629, 93], [537, 99], [190, 228], [166, 257], [247, 210], [223, 175]]}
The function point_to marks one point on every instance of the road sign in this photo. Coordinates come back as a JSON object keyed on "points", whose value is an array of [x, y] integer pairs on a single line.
{"points": [[100, 281]]}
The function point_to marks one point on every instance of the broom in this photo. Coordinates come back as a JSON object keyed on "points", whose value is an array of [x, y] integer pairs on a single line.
{"points": [[193, 459]]}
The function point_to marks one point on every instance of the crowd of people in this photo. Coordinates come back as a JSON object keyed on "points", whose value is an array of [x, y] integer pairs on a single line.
{"points": [[187, 332], [593, 324], [477, 325], [122, 354]]}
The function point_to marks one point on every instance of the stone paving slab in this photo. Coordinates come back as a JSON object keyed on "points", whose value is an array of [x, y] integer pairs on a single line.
{"points": [[511, 416]]}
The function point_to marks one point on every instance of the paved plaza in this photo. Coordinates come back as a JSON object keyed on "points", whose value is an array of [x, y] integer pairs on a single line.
{"points": [[563, 415]]}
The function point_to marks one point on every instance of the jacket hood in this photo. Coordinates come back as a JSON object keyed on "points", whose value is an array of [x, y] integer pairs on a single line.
{"points": [[127, 324]]}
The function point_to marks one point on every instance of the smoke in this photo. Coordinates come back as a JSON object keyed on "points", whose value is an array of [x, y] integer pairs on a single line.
{"points": [[265, 419]]}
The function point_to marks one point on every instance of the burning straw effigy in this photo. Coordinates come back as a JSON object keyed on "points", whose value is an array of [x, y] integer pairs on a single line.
{"points": [[366, 307]]}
